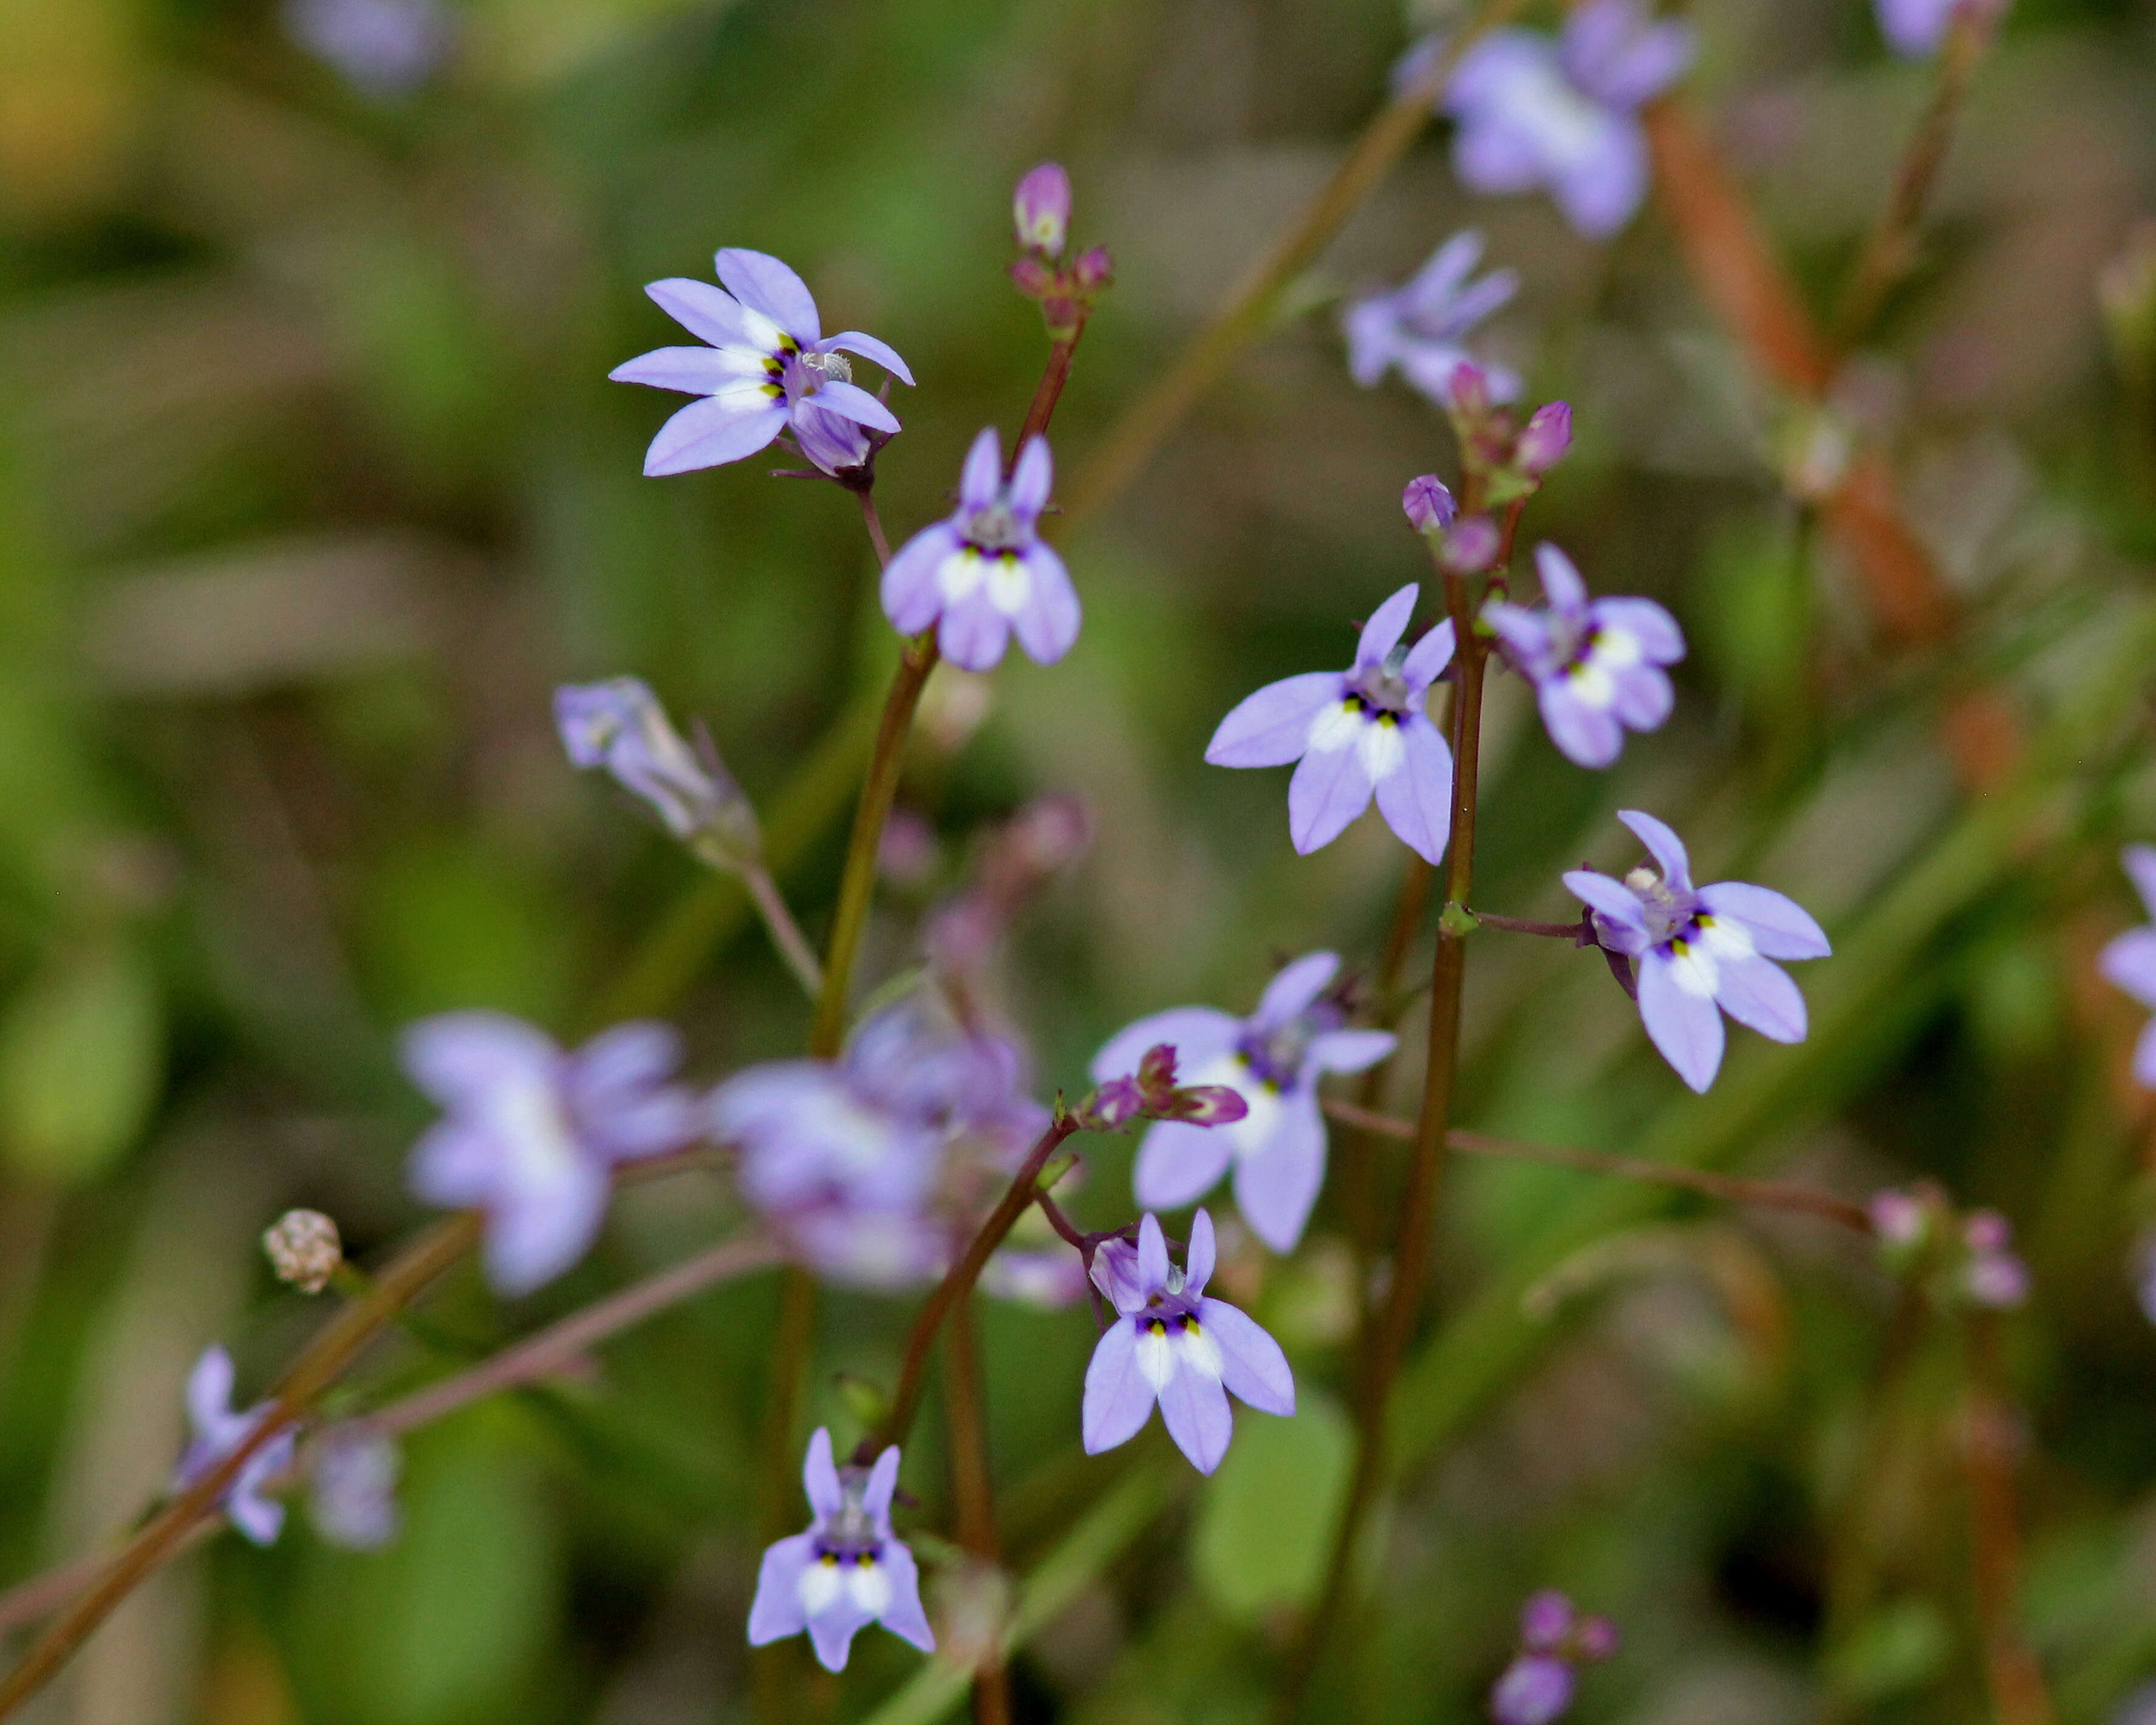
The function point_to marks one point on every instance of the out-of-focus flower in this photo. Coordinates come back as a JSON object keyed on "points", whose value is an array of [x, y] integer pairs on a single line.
{"points": [[1538, 1686], [1169, 1344], [304, 1250], [1902, 1220], [1040, 209], [985, 574], [769, 368], [1273, 1061], [531, 1134], [1991, 1275], [1916, 28], [1700, 951], [1419, 327], [1545, 439], [619, 725], [2129, 961], [353, 1496], [382, 47], [1596, 664], [1355, 732], [217, 1432], [847, 1571], [1050, 1279], [1562, 114]]}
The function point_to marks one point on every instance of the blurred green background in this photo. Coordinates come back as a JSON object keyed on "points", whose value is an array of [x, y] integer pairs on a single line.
{"points": [[311, 487]]}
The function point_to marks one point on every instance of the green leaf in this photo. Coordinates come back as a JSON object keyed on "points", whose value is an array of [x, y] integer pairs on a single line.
{"points": [[1265, 1521], [82, 1051]]}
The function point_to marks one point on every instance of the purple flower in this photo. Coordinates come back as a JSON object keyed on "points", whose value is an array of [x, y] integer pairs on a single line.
{"points": [[1596, 664], [1699, 949], [2129, 962], [1992, 1275], [382, 47], [1545, 439], [1273, 1059], [1040, 209], [531, 1135], [353, 1499], [847, 1571], [768, 368], [1355, 731], [1900, 1219], [1546, 1619], [1536, 1688], [1563, 114], [1915, 28], [1170, 1344], [985, 572], [217, 1432], [619, 725], [1428, 504], [1420, 326]]}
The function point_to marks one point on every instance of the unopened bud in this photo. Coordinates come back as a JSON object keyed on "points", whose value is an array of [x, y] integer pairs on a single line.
{"points": [[1898, 1218], [1040, 208], [1429, 504], [1206, 1105], [1095, 269], [304, 1250], [1471, 546], [1112, 1106], [1988, 1231], [1467, 391], [1597, 1639], [1157, 1067], [1032, 276], [1544, 443]]}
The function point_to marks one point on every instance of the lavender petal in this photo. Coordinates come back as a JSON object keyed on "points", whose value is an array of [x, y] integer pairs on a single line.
{"points": [[1277, 1184], [1047, 626], [903, 1616], [708, 313], [1416, 798], [1585, 736], [1758, 993], [776, 1611], [1330, 788], [849, 401], [1118, 1400], [1779, 926], [693, 370], [1179, 1163], [1252, 1366], [1664, 845], [1272, 727], [1685, 1027], [1194, 1407], [764, 283], [868, 347], [1294, 990], [1387, 624], [710, 432], [1199, 1035]]}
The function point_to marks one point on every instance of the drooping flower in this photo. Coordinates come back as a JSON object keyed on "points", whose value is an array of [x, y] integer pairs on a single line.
{"points": [[1169, 1343], [1916, 28], [768, 368], [1700, 951], [217, 1432], [531, 1135], [382, 47], [1596, 664], [353, 1498], [1273, 1059], [1355, 731], [985, 572], [1421, 326], [619, 725], [2128, 962], [1562, 114], [1538, 1686], [847, 1571]]}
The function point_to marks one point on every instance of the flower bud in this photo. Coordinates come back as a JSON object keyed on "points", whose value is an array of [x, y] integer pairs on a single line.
{"points": [[1467, 390], [1471, 546], [1429, 504], [1535, 1690], [1033, 278], [1040, 208], [1898, 1218], [1205, 1105], [1113, 1105], [1095, 269], [1544, 441], [1596, 1638], [1545, 1620], [304, 1250], [1997, 1279], [1157, 1067], [1988, 1231]]}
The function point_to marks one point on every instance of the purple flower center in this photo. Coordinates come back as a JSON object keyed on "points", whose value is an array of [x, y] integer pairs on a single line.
{"points": [[1382, 690], [996, 530], [1670, 917], [1275, 1056]]}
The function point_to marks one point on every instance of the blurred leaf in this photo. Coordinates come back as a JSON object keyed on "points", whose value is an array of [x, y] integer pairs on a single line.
{"points": [[1265, 1522], [449, 926], [81, 1055], [1897, 1648]]}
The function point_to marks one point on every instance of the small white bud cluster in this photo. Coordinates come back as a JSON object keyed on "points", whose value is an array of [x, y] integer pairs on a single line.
{"points": [[304, 1250]]}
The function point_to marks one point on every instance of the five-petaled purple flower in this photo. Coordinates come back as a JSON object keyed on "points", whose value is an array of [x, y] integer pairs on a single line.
{"points": [[1420, 325], [1169, 1343], [531, 1135], [1596, 664], [1563, 114], [1355, 731], [1537, 1686], [1700, 949], [2129, 961], [847, 1571], [769, 367], [1273, 1059], [986, 571], [620, 725], [217, 1432]]}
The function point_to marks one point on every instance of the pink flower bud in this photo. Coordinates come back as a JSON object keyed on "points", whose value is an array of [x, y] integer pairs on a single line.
{"points": [[1157, 1067], [1429, 505], [1468, 390], [1542, 445], [1597, 1639], [1096, 268], [1033, 277], [1206, 1105], [1897, 1217], [1471, 546], [1040, 208], [1115, 1103], [1545, 1620], [1988, 1231]]}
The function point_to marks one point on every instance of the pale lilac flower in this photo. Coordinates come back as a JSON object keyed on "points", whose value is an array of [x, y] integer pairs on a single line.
{"points": [[1040, 209], [1562, 114], [1900, 1219], [1538, 1686], [769, 368], [1596, 664], [217, 1432], [1535, 1689], [1049, 1280], [2128, 963], [1355, 731], [1916, 28], [382, 47], [352, 1477], [1700, 949], [620, 725], [847, 1571], [1991, 1275], [1169, 1343], [1421, 326], [986, 572], [531, 1134], [1273, 1061], [1428, 504]]}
